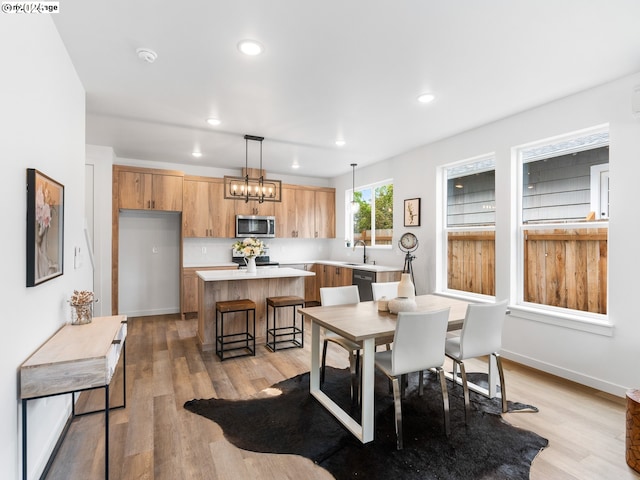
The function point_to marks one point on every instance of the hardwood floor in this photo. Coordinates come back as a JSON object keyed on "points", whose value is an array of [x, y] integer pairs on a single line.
{"points": [[156, 438]]}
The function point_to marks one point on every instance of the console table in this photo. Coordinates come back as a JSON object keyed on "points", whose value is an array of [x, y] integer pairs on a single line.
{"points": [[76, 358]]}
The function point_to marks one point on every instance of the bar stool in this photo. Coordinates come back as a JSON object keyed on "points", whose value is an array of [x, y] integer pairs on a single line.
{"points": [[244, 340], [276, 336]]}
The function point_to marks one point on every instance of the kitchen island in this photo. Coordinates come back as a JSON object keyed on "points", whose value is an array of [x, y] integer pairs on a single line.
{"points": [[222, 285]]}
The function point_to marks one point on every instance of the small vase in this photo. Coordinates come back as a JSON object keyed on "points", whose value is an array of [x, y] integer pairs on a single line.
{"points": [[251, 264], [406, 289]]}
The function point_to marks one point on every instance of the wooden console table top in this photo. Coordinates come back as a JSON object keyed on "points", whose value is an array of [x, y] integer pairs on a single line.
{"points": [[75, 358]]}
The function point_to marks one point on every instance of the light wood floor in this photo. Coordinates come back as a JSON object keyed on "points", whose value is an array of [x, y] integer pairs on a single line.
{"points": [[156, 438]]}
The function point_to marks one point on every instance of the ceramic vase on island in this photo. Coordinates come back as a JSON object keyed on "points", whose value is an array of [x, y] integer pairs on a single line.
{"points": [[406, 299], [251, 264]]}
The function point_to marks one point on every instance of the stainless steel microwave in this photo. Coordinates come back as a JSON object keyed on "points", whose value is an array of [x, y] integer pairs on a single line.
{"points": [[255, 226]]}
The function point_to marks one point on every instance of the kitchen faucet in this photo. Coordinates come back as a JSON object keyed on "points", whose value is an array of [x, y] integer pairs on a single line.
{"points": [[364, 249]]}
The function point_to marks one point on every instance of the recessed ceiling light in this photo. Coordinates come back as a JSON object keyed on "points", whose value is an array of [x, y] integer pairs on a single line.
{"points": [[295, 165], [426, 98], [213, 121], [197, 154], [250, 47], [340, 143]]}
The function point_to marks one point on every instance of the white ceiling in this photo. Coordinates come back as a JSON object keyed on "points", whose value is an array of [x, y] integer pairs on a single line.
{"points": [[330, 69]]}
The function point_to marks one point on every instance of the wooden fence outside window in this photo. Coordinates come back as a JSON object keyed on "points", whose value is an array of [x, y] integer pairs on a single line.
{"points": [[562, 267]]}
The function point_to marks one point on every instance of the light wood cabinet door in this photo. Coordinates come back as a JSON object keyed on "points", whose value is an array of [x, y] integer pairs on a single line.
{"points": [[325, 214], [134, 190], [305, 213], [296, 214], [221, 212], [189, 292], [167, 193], [253, 207], [332, 276], [196, 219], [147, 191], [285, 213], [206, 212]]}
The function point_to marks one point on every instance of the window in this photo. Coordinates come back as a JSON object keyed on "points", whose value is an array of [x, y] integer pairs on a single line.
{"points": [[563, 229], [470, 226], [372, 220]]}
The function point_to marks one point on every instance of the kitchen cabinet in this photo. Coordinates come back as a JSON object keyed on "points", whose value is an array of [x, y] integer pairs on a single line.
{"points": [[206, 212], [325, 213], [339, 276], [306, 212], [189, 301], [253, 207], [146, 189], [330, 276]]}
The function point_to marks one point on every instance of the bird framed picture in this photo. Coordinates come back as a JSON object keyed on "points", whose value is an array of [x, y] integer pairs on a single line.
{"points": [[412, 212]]}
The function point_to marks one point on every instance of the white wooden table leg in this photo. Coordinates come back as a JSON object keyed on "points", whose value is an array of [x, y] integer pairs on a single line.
{"points": [[314, 373], [368, 384]]}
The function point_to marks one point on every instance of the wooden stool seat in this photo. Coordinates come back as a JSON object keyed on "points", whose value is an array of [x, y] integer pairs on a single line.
{"points": [[284, 301], [238, 340], [235, 305], [284, 336]]}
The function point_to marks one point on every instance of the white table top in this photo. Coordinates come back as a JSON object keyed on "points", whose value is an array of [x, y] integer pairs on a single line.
{"points": [[261, 274]]}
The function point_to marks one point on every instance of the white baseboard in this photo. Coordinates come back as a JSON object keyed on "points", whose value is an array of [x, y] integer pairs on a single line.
{"points": [[146, 313], [45, 453], [597, 383]]}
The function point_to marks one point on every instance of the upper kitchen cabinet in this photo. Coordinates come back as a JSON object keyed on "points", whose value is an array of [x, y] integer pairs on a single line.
{"points": [[325, 213], [148, 189], [306, 212], [253, 207], [206, 212]]}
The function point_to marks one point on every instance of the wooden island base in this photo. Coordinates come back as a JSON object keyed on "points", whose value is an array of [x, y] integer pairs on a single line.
{"points": [[214, 286]]}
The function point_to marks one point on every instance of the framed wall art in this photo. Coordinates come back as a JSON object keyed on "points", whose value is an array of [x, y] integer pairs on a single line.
{"points": [[412, 212], [45, 228]]}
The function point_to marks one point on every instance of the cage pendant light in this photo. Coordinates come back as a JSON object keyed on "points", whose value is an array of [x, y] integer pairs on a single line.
{"points": [[248, 187]]}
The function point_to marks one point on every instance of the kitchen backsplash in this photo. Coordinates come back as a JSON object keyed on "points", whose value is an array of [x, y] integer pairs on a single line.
{"points": [[202, 252]]}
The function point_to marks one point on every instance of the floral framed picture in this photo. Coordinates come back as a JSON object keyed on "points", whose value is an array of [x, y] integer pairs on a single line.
{"points": [[412, 212], [45, 228]]}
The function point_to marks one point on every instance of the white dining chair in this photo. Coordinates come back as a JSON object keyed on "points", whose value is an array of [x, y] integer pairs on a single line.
{"points": [[341, 296], [384, 289], [418, 345], [481, 335]]}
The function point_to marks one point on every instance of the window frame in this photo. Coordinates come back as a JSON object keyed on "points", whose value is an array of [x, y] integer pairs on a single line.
{"points": [[485, 162], [349, 233], [576, 141]]}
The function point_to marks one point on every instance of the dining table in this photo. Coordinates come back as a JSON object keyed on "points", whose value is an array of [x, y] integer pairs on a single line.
{"points": [[363, 323]]}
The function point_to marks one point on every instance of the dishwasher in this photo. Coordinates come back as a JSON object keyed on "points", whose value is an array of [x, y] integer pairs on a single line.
{"points": [[363, 279]]}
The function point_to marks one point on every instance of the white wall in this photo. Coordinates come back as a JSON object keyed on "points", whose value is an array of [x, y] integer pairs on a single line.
{"points": [[149, 263], [604, 362], [42, 124], [100, 160]]}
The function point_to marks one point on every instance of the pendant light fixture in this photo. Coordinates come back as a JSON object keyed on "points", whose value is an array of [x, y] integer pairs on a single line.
{"points": [[355, 206], [252, 185]]}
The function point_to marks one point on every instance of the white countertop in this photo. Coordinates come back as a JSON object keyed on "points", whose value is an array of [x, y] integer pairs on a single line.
{"points": [[262, 273], [211, 265], [360, 266]]}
